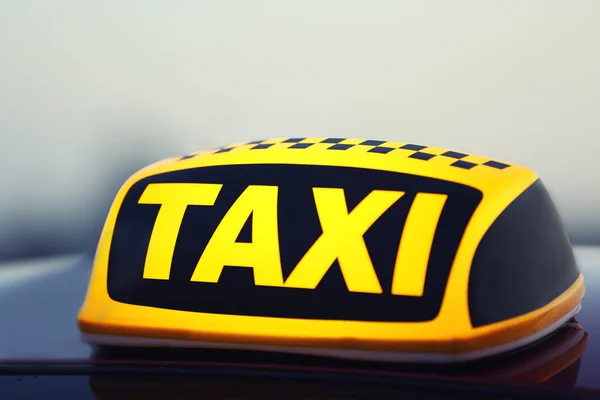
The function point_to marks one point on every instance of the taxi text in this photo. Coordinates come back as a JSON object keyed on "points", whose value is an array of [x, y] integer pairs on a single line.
{"points": [[341, 238]]}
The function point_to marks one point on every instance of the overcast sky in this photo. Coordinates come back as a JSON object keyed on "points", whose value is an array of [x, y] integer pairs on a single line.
{"points": [[85, 84]]}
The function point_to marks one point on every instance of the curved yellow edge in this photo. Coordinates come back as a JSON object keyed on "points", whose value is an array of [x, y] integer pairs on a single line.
{"points": [[450, 332]]}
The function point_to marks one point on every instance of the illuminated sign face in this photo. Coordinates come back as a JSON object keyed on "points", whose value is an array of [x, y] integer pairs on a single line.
{"points": [[290, 241], [346, 247]]}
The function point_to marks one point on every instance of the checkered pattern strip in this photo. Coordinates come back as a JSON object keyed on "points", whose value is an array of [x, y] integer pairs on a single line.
{"points": [[414, 151]]}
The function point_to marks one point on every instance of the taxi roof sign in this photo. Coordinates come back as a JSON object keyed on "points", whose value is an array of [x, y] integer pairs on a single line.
{"points": [[352, 248]]}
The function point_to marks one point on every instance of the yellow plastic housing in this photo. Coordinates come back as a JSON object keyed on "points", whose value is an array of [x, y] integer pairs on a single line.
{"points": [[342, 247]]}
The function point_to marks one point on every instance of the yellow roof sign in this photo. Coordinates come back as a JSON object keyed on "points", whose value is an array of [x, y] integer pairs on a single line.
{"points": [[344, 247]]}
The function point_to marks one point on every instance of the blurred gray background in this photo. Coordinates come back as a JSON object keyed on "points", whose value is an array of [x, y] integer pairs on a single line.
{"points": [[90, 91]]}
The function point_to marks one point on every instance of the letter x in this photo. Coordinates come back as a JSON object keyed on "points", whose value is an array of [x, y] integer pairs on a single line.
{"points": [[342, 239]]}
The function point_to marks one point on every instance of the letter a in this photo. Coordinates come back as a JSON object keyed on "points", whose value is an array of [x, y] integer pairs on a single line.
{"points": [[262, 254]]}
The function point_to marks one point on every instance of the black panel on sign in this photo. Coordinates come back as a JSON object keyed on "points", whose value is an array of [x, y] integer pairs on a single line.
{"points": [[523, 262], [245, 235], [299, 227]]}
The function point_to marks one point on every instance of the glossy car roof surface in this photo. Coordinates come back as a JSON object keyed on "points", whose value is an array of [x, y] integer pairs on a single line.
{"points": [[38, 334]]}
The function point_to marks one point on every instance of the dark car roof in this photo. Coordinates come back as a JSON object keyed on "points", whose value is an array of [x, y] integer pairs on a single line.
{"points": [[38, 332]]}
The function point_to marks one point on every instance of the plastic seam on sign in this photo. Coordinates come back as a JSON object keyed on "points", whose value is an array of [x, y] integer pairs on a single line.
{"points": [[355, 354]]}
